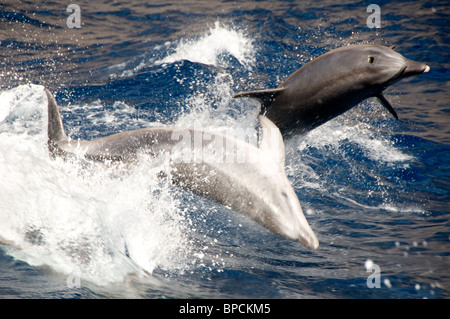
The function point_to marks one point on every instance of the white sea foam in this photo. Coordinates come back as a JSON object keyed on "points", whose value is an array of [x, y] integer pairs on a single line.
{"points": [[98, 223]]}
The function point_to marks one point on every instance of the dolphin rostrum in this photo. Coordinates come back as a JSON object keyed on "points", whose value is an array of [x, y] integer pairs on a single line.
{"points": [[332, 84], [250, 180]]}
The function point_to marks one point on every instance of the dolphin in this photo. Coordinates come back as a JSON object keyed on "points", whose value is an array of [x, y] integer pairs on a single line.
{"points": [[248, 179], [332, 84]]}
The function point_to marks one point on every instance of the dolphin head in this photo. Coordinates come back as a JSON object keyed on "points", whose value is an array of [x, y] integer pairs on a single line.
{"points": [[380, 66]]}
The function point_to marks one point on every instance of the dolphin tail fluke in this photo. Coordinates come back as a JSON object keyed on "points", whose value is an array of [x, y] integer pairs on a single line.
{"points": [[56, 131], [387, 105], [266, 97]]}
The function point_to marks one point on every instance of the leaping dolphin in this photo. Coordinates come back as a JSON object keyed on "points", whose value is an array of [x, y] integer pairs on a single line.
{"points": [[248, 179], [332, 84]]}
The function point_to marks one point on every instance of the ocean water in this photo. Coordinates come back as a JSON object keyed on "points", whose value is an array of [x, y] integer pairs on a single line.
{"points": [[374, 190]]}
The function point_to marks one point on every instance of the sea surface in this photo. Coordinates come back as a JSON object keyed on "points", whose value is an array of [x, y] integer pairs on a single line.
{"points": [[374, 190]]}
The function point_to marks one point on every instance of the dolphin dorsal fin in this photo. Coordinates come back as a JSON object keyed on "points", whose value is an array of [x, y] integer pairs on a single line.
{"points": [[272, 142], [56, 131], [266, 97]]}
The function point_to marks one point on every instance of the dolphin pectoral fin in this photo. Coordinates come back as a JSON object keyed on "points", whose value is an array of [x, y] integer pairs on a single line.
{"points": [[264, 96], [387, 105], [272, 141]]}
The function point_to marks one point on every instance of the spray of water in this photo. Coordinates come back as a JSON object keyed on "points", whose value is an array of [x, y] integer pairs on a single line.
{"points": [[208, 48], [77, 217]]}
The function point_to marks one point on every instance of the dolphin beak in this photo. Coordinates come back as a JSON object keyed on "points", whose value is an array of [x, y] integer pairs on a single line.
{"points": [[298, 230], [309, 240], [303, 233], [414, 68], [293, 226]]}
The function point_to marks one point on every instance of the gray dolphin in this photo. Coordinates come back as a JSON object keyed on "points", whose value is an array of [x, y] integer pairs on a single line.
{"points": [[332, 84], [248, 179]]}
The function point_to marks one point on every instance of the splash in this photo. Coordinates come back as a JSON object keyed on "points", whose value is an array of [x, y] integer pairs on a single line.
{"points": [[220, 46], [217, 111], [213, 107], [208, 48], [335, 133], [99, 223]]}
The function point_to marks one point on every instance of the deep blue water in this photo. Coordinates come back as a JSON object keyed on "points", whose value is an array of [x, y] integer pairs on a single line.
{"points": [[374, 190]]}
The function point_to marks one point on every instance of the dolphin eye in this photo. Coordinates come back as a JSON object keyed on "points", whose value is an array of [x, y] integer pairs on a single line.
{"points": [[370, 59]]}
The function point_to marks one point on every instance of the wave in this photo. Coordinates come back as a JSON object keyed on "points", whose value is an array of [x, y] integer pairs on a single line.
{"points": [[220, 47]]}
